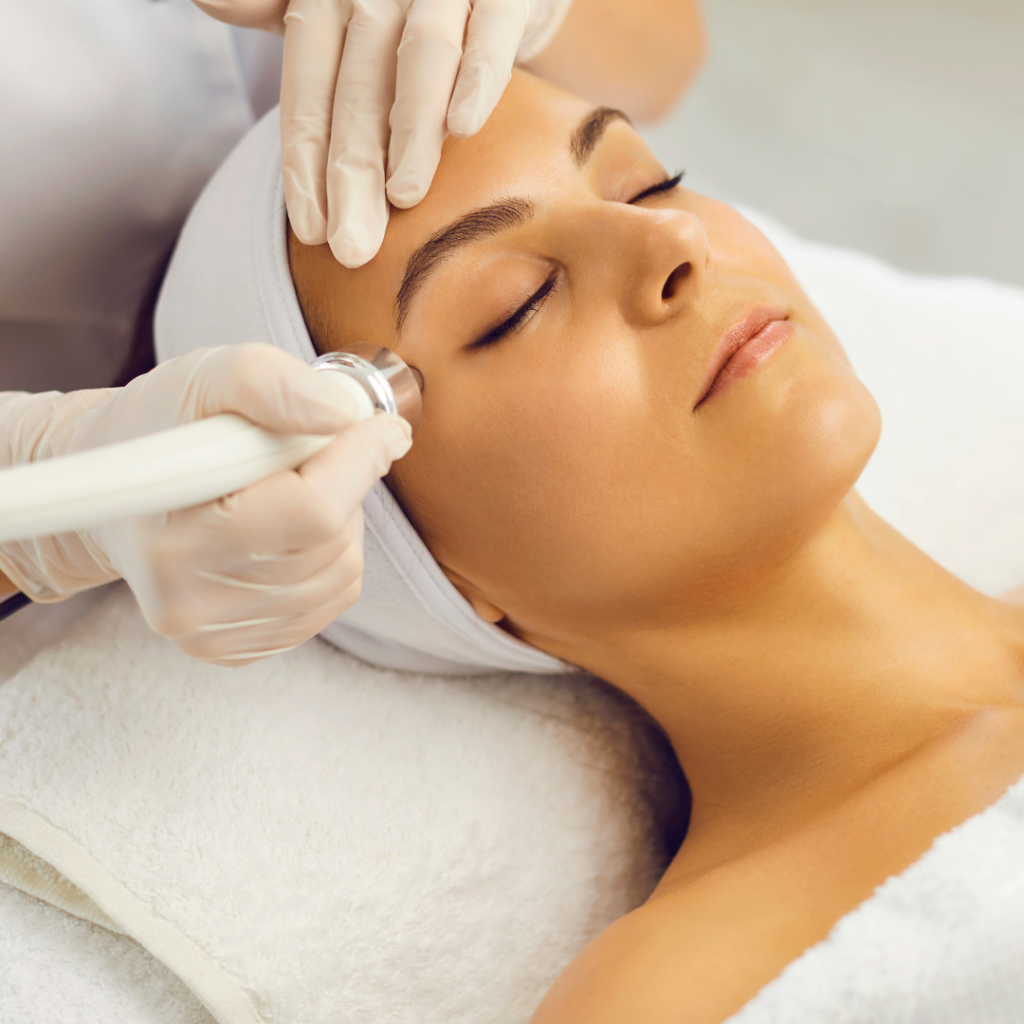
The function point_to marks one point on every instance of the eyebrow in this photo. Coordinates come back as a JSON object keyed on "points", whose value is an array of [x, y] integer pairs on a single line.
{"points": [[471, 227], [494, 219], [587, 135]]}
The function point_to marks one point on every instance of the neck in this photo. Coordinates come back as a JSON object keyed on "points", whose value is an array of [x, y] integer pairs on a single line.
{"points": [[860, 653]]}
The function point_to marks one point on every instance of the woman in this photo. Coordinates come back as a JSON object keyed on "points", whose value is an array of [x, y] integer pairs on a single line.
{"points": [[88, 78], [637, 454]]}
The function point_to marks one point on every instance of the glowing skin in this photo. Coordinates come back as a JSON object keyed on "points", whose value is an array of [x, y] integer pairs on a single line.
{"points": [[835, 698]]}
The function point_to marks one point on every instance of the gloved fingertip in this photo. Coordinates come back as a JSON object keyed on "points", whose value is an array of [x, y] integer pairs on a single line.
{"points": [[357, 220], [390, 435], [352, 249], [475, 95], [347, 468], [406, 190], [310, 230], [464, 123], [305, 217], [473, 101]]}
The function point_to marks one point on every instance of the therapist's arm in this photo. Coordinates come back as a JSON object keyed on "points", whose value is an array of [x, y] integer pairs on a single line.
{"points": [[638, 56], [7, 588]]}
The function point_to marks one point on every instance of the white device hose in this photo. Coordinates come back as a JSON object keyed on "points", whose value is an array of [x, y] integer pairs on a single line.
{"points": [[162, 472], [187, 465]]}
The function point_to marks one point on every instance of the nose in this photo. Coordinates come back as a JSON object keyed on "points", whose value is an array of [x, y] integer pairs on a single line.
{"points": [[665, 266]]}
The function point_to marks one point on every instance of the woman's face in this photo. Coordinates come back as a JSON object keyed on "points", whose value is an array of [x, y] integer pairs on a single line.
{"points": [[568, 312]]}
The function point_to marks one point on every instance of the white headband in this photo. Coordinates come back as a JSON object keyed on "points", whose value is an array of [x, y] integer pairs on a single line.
{"points": [[229, 283]]}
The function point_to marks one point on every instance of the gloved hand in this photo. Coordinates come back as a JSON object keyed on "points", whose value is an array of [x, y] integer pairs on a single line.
{"points": [[237, 579], [371, 89]]}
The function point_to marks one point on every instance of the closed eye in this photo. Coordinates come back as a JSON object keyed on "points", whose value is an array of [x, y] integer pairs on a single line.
{"points": [[656, 190], [520, 317]]}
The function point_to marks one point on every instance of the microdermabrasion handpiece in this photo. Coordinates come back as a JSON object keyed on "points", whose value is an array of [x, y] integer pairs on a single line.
{"points": [[193, 463]]}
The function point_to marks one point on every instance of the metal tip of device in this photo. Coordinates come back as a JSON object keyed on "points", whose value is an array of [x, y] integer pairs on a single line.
{"points": [[393, 386]]}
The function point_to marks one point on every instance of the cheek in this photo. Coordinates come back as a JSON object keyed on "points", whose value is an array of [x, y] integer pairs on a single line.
{"points": [[531, 489], [786, 453], [568, 503], [742, 251]]}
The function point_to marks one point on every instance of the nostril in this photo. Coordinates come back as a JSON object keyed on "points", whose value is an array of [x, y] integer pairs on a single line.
{"points": [[675, 281]]}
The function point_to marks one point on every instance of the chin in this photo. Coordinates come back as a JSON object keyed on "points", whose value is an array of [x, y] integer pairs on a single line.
{"points": [[829, 440], [806, 438]]}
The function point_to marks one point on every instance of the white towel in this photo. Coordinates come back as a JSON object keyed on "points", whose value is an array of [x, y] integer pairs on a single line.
{"points": [[942, 943], [59, 969], [309, 840]]}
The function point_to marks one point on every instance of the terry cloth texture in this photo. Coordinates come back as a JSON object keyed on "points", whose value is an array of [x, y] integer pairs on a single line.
{"points": [[310, 840], [229, 283], [59, 969], [940, 944]]}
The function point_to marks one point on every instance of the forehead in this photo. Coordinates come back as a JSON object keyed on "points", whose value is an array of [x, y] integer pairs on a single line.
{"points": [[524, 145], [524, 149]]}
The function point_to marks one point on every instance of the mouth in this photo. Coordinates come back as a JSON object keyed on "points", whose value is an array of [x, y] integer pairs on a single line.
{"points": [[743, 347]]}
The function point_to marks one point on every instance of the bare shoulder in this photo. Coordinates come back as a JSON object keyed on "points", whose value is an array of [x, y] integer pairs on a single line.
{"points": [[620, 976], [696, 953], [689, 957]]}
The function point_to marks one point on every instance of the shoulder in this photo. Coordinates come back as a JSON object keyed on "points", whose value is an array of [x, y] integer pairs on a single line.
{"points": [[612, 980], [679, 959]]}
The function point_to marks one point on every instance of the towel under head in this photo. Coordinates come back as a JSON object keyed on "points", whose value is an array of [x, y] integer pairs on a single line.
{"points": [[312, 840], [229, 283]]}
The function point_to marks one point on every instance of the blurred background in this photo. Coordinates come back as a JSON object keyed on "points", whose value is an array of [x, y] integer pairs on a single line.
{"points": [[891, 126]]}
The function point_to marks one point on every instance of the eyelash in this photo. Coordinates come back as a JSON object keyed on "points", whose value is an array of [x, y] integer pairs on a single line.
{"points": [[657, 190], [520, 317]]}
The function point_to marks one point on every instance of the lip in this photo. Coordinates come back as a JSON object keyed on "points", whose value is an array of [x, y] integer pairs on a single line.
{"points": [[744, 346]]}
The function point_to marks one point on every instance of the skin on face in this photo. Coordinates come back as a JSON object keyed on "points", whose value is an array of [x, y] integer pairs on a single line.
{"points": [[565, 476]]}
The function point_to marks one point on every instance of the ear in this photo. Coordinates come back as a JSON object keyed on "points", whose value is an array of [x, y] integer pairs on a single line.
{"points": [[487, 611]]}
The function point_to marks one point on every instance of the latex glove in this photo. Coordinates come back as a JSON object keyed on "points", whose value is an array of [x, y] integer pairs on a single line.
{"points": [[235, 580], [371, 89]]}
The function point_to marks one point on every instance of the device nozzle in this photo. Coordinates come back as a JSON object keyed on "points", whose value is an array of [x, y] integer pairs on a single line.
{"points": [[391, 384]]}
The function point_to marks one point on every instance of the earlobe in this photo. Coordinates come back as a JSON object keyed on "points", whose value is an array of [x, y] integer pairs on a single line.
{"points": [[487, 611]]}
